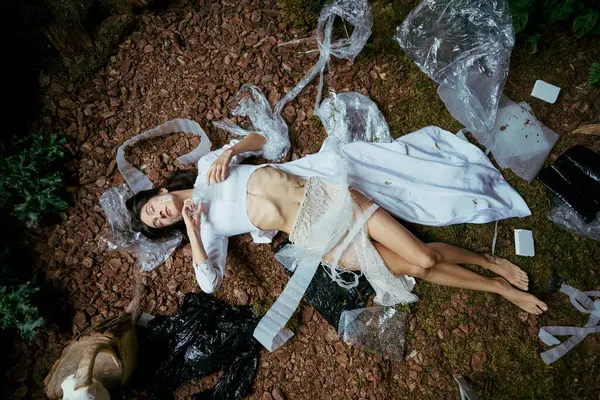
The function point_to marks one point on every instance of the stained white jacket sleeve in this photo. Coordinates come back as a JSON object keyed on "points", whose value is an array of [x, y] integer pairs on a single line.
{"points": [[210, 273]]}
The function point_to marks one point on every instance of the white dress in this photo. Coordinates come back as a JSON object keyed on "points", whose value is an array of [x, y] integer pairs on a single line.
{"points": [[428, 177]]}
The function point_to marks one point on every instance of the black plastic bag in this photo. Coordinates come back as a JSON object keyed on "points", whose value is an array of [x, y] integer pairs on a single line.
{"points": [[575, 178], [205, 336], [329, 298]]}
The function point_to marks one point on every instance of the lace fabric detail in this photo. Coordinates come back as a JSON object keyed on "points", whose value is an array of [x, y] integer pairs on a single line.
{"points": [[359, 254], [317, 197]]}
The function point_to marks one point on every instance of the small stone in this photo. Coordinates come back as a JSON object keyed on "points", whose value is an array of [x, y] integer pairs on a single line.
{"points": [[523, 316], [266, 79], [289, 114], [101, 182], [277, 395], [331, 335], [87, 111], [251, 39], [273, 97], [241, 296], [80, 320], [87, 262], [476, 363], [148, 48]]}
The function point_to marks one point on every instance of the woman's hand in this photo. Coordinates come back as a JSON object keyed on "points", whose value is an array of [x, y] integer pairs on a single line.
{"points": [[218, 170], [192, 215]]}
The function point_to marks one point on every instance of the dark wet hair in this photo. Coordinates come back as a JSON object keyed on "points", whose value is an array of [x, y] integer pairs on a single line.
{"points": [[180, 180]]}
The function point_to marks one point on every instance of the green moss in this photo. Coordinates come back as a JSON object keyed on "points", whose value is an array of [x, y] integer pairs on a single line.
{"points": [[302, 13]]}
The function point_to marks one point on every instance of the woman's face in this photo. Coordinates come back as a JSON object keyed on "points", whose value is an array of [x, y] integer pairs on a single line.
{"points": [[162, 210]]}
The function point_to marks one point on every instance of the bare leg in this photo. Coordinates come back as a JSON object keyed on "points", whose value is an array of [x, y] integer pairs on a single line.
{"points": [[383, 228], [500, 266], [453, 275]]}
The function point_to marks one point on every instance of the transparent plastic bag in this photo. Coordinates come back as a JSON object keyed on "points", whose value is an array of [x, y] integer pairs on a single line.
{"points": [[253, 103], [465, 46], [150, 253], [563, 215], [518, 140], [351, 117], [358, 14], [375, 329]]}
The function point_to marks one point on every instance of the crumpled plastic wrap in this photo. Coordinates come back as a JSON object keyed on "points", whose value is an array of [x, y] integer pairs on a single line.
{"points": [[465, 46], [135, 178], [375, 329], [351, 117], [150, 253], [252, 102], [563, 215], [518, 140], [355, 12]]}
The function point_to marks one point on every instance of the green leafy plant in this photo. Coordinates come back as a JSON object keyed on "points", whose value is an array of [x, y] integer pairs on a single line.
{"points": [[594, 74], [16, 310], [31, 183], [532, 17]]}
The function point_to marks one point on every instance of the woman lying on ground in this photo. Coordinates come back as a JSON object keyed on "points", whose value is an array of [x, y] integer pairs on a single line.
{"points": [[427, 177]]}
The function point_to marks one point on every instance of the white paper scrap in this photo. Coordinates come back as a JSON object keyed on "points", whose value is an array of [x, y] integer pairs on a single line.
{"points": [[524, 243], [545, 91]]}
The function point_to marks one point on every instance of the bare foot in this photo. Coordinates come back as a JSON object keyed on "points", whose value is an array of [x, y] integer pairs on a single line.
{"points": [[526, 301], [509, 271]]}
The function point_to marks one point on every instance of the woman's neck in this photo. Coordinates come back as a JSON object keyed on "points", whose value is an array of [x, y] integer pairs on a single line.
{"points": [[183, 195]]}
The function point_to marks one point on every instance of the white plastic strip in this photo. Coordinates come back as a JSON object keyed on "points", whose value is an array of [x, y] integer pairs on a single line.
{"points": [[581, 301], [135, 178], [271, 331], [495, 238]]}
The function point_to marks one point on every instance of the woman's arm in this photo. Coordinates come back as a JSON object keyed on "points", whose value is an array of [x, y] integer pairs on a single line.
{"points": [[251, 143], [208, 276], [217, 172]]}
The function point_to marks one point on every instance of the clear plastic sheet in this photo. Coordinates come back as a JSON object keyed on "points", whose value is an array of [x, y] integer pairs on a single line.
{"points": [[351, 117], [465, 46], [375, 329], [358, 14], [135, 178], [563, 215], [518, 140], [252, 102], [150, 253]]}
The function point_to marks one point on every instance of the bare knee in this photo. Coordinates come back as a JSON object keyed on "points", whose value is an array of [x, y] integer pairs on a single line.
{"points": [[427, 258], [419, 272]]}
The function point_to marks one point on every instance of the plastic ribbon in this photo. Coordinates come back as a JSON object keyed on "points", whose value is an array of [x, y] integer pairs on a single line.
{"points": [[581, 301], [135, 178], [150, 253], [495, 238], [269, 123]]}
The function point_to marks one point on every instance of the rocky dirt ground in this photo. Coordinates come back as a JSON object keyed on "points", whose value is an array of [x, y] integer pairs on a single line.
{"points": [[188, 63]]}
